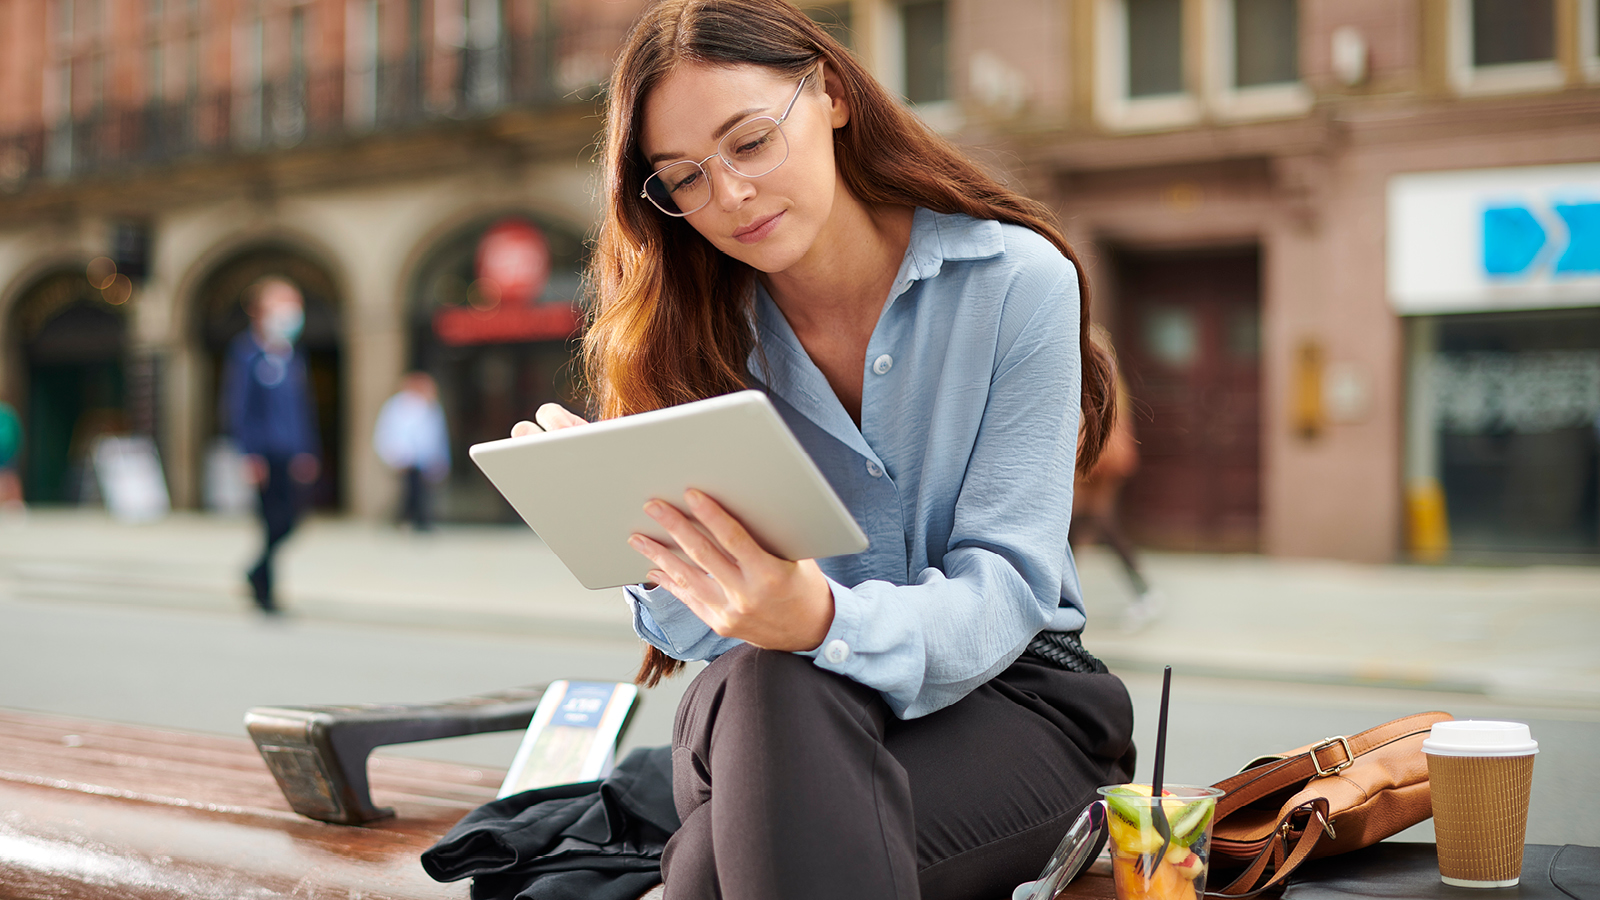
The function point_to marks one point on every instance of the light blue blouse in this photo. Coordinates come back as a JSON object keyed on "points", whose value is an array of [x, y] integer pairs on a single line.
{"points": [[960, 474]]}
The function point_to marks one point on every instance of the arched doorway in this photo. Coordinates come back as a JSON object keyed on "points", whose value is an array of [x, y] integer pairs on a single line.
{"points": [[73, 341], [495, 359], [220, 316]]}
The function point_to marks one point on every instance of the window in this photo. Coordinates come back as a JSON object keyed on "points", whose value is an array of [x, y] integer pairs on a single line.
{"points": [[482, 87], [1155, 47], [925, 43], [191, 59], [1589, 38], [288, 113], [1504, 45], [1512, 31], [248, 74], [57, 100], [361, 38], [1169, 63], [1266, 39], [1254, 71], [1142, 76], [156, 56], [297, 43], [155, 72]]}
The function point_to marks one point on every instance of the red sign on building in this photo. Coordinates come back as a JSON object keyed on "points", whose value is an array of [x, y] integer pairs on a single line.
{"points": [[512, 265], [514, 257]]}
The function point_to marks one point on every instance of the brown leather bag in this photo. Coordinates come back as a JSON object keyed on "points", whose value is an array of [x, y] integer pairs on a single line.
{"points": [[1339, 794]]}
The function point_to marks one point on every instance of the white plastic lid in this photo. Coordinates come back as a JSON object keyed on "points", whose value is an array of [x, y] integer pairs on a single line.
{"points": [[1471, 737]]}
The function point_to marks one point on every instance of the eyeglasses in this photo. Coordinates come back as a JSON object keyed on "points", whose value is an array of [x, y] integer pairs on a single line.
{"points": [[754, 148]]}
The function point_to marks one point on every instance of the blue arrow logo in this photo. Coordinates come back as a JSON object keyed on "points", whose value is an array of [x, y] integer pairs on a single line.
{"points": [[1512, 239], [1583, 238]]}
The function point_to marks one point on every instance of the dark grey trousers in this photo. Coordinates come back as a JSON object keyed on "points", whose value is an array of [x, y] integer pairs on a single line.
{"points": [[793, 782]]}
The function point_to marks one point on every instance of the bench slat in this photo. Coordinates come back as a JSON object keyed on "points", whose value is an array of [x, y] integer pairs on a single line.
{"points": [[97, 810]]}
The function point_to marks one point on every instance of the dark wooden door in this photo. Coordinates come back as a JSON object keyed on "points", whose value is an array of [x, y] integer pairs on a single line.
{"points": [[1188, 334]]}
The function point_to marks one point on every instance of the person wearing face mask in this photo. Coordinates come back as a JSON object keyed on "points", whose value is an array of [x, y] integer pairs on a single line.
{"points": [[268, 410], [918, 720]]}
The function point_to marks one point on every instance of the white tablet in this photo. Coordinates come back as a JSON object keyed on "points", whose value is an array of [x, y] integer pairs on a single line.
{"points": [[583, 489]]}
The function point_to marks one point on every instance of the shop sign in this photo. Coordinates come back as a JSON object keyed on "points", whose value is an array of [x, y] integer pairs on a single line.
{"points": [[512, 267], [514, 257], [1494, 239]]}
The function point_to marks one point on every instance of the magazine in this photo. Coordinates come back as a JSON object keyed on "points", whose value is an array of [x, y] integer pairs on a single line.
{"points": [[573, 735]]}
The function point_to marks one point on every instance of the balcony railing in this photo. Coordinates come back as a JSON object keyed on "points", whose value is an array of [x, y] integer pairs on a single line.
{"points": [[302, 109]]}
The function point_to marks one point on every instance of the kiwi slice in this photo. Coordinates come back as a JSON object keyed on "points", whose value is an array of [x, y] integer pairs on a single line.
{"points": [[1126, 811], [1191, 821]]}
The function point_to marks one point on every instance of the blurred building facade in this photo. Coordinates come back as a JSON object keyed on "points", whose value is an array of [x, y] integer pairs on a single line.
{"points": [[158, 156], [1345, 247], [1348, 251]]}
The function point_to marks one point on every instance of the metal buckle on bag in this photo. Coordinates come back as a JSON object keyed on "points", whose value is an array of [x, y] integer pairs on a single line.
{"points": [[1286, 831], [1327, 827], [1324, 744]]}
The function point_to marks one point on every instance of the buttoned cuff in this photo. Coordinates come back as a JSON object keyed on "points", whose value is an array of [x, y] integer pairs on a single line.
{"points": [[837, 652]]}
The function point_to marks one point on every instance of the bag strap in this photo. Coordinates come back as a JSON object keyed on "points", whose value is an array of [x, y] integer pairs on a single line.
{"points": [[1284, 861], [1323, 758]]}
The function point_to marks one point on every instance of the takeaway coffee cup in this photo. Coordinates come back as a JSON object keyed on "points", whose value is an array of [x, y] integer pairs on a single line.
{"points": [[1480, 774]]}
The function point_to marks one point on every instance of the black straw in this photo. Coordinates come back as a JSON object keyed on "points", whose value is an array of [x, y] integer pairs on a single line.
{"points": [[1158, 809], [1161, 735]]}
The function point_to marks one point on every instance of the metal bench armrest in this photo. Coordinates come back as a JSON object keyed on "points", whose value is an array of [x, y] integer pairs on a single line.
{"points": [[318, 754]]}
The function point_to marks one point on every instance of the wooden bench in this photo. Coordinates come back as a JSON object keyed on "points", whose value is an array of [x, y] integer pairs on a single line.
{"points": [[91, 809]]}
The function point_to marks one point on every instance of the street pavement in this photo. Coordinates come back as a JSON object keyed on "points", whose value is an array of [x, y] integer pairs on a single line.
{"points": [[152, 624], [1511, 634]]}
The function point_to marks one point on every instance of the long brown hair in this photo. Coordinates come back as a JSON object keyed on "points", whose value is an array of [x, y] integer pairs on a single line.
{"points": [[671, 321]]}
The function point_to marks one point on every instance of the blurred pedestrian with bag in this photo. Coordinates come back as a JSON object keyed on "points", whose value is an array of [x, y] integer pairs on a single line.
{"points": [[268, 410], [1094, 508], [411, 437]]}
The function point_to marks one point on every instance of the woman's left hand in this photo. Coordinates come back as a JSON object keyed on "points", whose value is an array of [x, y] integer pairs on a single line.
{"points": [[731, 583]]}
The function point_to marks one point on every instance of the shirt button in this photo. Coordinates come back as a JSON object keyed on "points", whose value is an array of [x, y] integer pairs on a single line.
{"points": [[883, 364], [836, 652], [875, 470]]}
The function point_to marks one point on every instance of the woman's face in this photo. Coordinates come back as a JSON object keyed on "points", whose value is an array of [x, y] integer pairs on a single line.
{"points": [[769, 222]]}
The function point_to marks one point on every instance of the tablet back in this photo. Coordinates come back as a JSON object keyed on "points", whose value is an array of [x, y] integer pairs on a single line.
{"points": [[583, 489]]}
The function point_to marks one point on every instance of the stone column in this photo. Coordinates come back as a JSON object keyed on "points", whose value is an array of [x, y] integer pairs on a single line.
{"points": [[374, 330], [149, 346]]}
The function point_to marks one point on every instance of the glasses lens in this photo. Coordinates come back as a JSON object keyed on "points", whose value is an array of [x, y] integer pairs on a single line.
{"points": [[755, 148], [679, 189]]}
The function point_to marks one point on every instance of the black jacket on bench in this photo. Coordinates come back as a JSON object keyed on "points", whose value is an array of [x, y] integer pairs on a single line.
{"points": [[598, 840]]}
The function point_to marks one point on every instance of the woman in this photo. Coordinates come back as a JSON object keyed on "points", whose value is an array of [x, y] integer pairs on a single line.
{"points": [[870, 725]]}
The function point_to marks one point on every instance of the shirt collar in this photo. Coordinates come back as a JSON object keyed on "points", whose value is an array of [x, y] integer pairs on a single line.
{"points": [[936, 237]]}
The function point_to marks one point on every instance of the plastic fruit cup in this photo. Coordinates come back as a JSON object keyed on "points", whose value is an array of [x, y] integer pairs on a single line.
{"points": [[1140, 868]]}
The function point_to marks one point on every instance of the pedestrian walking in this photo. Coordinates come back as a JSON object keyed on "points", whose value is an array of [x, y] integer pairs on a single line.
{"points": [[1095, 496], [10, 450], [268, 410], [917, 720], [411, 438]]}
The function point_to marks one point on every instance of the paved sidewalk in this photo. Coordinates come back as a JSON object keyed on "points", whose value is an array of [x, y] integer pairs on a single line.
{"points": [[1518, 634]]}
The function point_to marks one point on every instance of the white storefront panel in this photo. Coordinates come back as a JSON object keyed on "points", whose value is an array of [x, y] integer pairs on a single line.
{"points": [[1490, 240]]}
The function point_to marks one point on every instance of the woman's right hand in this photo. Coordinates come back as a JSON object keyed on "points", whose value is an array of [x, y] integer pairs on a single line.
{"points": [[549, 417]]}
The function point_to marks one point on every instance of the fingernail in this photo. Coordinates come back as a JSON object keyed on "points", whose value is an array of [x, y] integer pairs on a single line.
{"points": [[636, 542], [694, 496], [655, 509]]}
